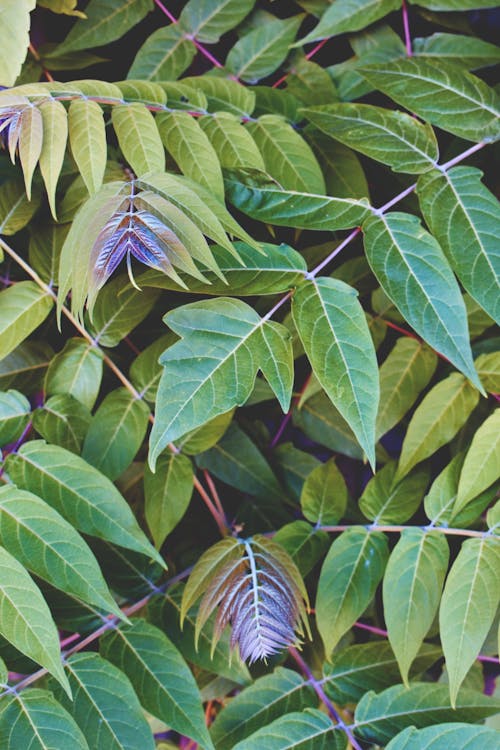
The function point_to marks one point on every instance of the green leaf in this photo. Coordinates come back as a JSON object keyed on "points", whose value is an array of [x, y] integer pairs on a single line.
{"points": [[119, 308], [369, 666], [143, 92], [443, 736], [145, 371], [457, 48], [268, 698], [14, 415], [266, 202], [207, 436], [465, 218], [228, 549], [404, 374], [199, 382], [191, 149], [324, 495], [81, 494], [167, 494], [386, 501], [454, 4], [287, 156], [322, 422], [399, 249], [77, 371], [162, 680], [441, 93], [344, 175], [115, 433], [164, 56], [45, 251], [64, 421], [223, 95], [307, 730], [14, 38], [310, 83], [138, 137], [260, 52], [106, 20], [232, 142], [412, 587], [87, 137], [41, 540], [294, 466], [25, 365], [26, 621], [36, 720], [380, 717], [15, 209], [105, 706], [30, 144], [392, 137], [23, 307], [349, 15], [349, 577], [305, 544], [488, 368], [207, 20], [335, 335], [437, 419]]}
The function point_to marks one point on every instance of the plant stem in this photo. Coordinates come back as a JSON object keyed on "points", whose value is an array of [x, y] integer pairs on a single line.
{"points": [[398, 529], [406, 27], [196, 43]]}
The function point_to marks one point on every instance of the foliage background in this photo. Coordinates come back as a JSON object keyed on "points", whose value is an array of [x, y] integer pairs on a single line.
{"points": [[331, 131]]}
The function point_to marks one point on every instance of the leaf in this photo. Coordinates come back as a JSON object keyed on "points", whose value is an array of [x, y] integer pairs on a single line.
{"points": [[62, 420], [412, 587], [457, 48], [81, 494], [321, 421], [324, 495], [349, 15], [26, 621], [30, 143], [207, 20], [304, 730], [443, 736], [222, 95], [205, 437], [268, 698], [287, 156], [310, 83], [87, 137], [387, 501], [380, 717], [441, 93], [106, 20], [266, 202], [344, 175], [138, 137], [143, 92], [36, 720], [115, 433], [162, 680], [399, 250], [119, 308], [488, 368], [191, 149], [25, 365], [14, 415], [23, 307], [145, 370], [369, 666], [349, 577], [45, 250], [335, 335], [77, 371], [167, 494], [14, 40], [405, 372], [164, 56], [41, 540], [232, 142], [105, 706], [465, 219], [15, 209], [454, 4], [305, 544], [262, 50], [219, 378]]}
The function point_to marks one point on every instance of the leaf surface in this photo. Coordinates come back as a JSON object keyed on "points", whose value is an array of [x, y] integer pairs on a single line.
{"points": [[349, 15], [307, 730], [164, 56], [324, 494], [207, 20], [23, 307], [443, 736], [105, 21], [87, 136], [167, 494], [138, 137], [482, 462], [386, 500]]}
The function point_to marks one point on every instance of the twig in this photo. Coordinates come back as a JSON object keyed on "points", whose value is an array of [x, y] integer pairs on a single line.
{"points": [[406, 27], [397, 529]]}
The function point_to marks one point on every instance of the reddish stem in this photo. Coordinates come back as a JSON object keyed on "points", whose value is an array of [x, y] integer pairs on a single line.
{"points": [[289, 413], [406, 27], [197, 44]]}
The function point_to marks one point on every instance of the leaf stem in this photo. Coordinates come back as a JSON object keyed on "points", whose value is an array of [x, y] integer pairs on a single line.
{"points": [[398, 529], [196, 43], [406, 27]]}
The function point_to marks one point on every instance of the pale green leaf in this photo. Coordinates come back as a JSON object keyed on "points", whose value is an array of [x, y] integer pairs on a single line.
{"points": [[167, 494], [213, 367], [445, 736], [62, 420], [213, 559], [15, 209], [35, 720], [305, 544], [164, 56], [465, 218], [41, 540], [412, 587], [348, 580], [207, 20], [287, 156], [138, 137], [25, 619], [81, 494], [349, 15], [398, 248], [14, 38], [30, 143], [14, 414], [324, 495], [387, 501], [162, 680], [470, 600], [87, 137], [307, 730], [119, 308], [223, 95], [77, 371], [457, 48], [437, 419], [66, 7], [232, 142], [488, 368], [404, 374], [482, 462], [441, 93], [23, 307], [335, 335], [143, 92]]}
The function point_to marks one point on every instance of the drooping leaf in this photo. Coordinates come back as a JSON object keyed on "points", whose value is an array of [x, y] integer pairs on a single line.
{"points": [[167, 494], [324, 495], [45, 251], [207, 20], [77, 371], [307, 730], [87, 137], [387, 500], [329, 320], [398, 248], [14, 415], [138, 137], [23, 307], [349, 15], [30, 143], [349, 577], [443, 736], [164, 56]]}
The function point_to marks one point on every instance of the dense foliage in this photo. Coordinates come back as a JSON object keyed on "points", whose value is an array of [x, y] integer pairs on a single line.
{"points": [[249, 284]]}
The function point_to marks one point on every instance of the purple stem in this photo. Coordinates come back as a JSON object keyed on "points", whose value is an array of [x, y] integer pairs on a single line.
{"points": [[197, 44], [406, 27]]}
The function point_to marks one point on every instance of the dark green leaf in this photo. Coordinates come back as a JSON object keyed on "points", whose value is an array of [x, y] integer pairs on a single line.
{"points": [[64, 421], [207, 20], [307, 730], [349, 15], [167, 494], [14, 415], [77, 371]]}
